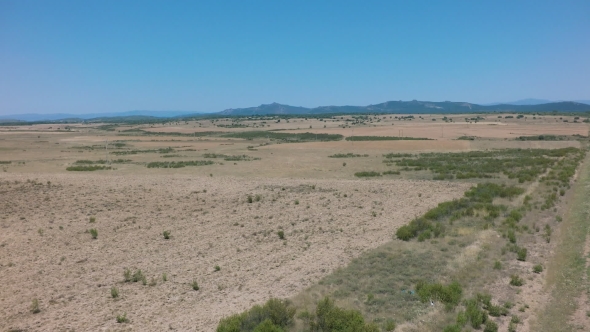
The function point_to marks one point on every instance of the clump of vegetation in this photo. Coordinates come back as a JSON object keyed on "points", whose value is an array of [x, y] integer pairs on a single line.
{"points": [[114, 292], [524, 165], [35, 306], [93, 232], [450, 294], [122, 318], [92, 219], [217, 268], [166, 234], [281, 235], [195, 285], [476, 198], [136, 276], [87, 168], [521, 254], [385, 138], [274, 315], [538, 268], [347, 155], [515, 280], [178, 164], [367, 174], [285, 137], [497, 265]]}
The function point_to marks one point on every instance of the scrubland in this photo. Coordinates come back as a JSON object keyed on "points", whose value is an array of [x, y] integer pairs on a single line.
{"points": [[375, 223]]}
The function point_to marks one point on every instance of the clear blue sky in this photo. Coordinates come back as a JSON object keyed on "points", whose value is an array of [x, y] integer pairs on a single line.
{"points": [[111, 56]]}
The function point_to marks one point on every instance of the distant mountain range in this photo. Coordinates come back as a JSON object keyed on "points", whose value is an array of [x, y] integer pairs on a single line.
{"points": [[409, 107], [403, 107], [65, 116], [533, 101]]}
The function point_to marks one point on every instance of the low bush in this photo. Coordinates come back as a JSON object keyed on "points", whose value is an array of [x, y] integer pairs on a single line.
{"points": [[179, 164], [274, 315], [450, 294], [367, 174], [521, 254], [385, 138], [122, 318], [35, 306], [347, 155], [515, 280], [87, 168], [93, 232], [329, 317]]}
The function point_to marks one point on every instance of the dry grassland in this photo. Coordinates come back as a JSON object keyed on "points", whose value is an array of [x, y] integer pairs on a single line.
{"points": [[229, 215]]}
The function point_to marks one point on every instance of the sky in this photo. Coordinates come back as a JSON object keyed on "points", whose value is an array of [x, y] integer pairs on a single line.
{"points": [[84, 56]]}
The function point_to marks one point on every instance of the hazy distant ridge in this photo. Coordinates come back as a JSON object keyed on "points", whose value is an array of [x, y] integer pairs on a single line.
{"points": [[406, 107], [410, 107]]}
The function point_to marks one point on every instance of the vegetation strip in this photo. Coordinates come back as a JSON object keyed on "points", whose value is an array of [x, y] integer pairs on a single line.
{"points": [[179, 164], [285, 137], [566, 269], [386, 138]]}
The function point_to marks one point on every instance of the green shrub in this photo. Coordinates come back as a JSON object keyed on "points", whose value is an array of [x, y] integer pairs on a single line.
{"points": [[92, 219], [35, 306], [367, 174], [538, 268], [347, 155], [268, 326], [389, 325], [137, 276], [521, 254], [281, 235], [127, 275], [515, 280], [497, 265], [511, 327], [332, 318], [450, 294], [179, 164], [278, 313], [114, 292], [195, 285], [453, 328], [497, 311], [474, 313], [166, 235], [122, 318], [93, 233], [404, 233], [490, 326], [87, 168], [511, 236]]}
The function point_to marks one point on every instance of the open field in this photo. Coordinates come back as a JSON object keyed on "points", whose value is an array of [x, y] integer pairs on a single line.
{"points": [[258, 209]]}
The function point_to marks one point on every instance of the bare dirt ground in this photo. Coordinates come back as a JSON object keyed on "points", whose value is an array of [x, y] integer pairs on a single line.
{"points": [[327, 215], [47, 254]]}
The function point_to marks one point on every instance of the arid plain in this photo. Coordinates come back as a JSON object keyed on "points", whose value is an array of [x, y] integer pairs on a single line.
{"points": [[250, 220]]}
